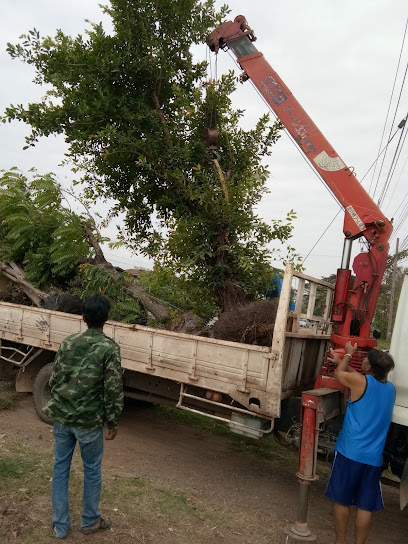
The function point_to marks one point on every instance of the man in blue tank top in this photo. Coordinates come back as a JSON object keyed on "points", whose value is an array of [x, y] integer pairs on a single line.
{"points": [[356, 471]]}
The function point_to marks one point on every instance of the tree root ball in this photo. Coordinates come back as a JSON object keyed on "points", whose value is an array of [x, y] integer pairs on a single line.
{"points": [[249, 324], [71, 304]]}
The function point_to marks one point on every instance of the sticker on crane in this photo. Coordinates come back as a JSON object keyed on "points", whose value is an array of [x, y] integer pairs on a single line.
{"points": [[356, 218], [330, 164]]}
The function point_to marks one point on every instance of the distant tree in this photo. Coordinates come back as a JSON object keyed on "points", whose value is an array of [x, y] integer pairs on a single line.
{"points": [[134, 107], [330, 279], [380, 321]]}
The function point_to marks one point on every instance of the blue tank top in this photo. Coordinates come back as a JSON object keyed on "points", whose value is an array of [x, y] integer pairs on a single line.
{"points": [[366, 424]]}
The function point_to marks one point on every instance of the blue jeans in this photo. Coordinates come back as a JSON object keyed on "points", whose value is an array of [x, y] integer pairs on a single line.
{"points": [[91, 445]]}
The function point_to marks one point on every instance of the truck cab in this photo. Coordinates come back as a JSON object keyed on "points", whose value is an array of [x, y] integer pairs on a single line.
{"points": [[396, 448]]}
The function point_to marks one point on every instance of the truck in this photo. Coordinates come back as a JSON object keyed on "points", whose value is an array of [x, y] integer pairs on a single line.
{"points": [[241, 385], [396, 447]]}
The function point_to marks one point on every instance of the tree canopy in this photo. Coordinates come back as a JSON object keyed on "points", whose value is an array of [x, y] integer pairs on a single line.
{"points": [[134, 107]]}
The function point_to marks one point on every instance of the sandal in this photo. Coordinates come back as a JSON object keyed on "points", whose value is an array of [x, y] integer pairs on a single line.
{"points": [[101, 525]]}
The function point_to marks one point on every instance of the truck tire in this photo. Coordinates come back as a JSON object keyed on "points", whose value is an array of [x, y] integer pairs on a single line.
{"points": [[41, 392]]}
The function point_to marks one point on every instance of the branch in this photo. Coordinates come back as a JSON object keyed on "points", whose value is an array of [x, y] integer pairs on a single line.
{"points": [[152, 304], [93, 242], [160, 114], [15, 274]]}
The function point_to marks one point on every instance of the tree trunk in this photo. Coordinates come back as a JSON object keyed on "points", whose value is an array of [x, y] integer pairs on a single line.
{"points": [[14, 273], [152, 304], [94, 244], [231, 295]]}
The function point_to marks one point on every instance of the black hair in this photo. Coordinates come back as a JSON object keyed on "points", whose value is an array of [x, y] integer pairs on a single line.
{"points": [[381, 363], [95, 310]]}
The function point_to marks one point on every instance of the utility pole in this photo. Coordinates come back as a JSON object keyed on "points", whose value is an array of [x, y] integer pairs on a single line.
{"points": [[391, 307]]}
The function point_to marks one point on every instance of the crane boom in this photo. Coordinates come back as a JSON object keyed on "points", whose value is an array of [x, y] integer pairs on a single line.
{"points": [[353, 309]]}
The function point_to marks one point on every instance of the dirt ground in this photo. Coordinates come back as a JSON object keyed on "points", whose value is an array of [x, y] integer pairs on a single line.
{"points": [[166, 481]]}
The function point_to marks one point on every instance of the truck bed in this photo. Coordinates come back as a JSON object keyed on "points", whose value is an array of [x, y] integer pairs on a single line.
{"points": [[255, 377]]}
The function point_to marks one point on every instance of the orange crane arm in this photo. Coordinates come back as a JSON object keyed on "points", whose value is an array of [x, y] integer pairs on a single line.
{"points": [[353, 310]]}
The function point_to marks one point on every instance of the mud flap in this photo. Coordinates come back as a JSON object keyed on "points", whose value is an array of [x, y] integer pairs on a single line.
{"points": [[404, 487]]}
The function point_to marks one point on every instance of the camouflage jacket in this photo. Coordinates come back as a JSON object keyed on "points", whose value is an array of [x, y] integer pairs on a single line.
{"points": [[86, 382]]}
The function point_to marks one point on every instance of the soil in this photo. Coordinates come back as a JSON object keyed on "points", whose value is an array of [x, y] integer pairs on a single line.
{"points": [[204, 467]]}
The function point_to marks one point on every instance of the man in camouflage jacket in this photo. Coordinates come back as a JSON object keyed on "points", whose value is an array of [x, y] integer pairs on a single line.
{"points": [[86, 392]]}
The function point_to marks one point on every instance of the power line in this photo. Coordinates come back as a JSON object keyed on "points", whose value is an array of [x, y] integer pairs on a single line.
{"points": [[379, 155], [321, 236], [392, 124], [396, 185], [389, 105], [311, 167], [404, 244], [403, 217], [125, 260], [401, 203], [394, 161]]}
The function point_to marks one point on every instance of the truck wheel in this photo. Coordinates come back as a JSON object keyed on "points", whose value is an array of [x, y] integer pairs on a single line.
{"points": [[41, 392]]}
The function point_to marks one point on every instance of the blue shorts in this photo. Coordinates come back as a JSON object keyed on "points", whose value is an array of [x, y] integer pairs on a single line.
{"points": [[354, 483]]}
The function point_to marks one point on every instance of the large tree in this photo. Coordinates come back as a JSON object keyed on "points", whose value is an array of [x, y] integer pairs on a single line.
{"points": [[135, 107]]}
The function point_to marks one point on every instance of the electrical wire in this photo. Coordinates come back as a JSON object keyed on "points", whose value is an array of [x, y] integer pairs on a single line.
{"points": [[332, 221], [392, 124], [389, 104], [299, 150], [321, 236], [379, 155], [396, 185], [394, 161], [404, 245], [403, 217], [391, 137], [400, 204]]}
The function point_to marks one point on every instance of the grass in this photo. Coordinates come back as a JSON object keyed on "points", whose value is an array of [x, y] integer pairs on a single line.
{"points": [[129, 493], [175, 415], [141, 509], [8, 396], [6, 403], [11, 468], [263, 448], [382, 343], [132, 503], [34, 472]]}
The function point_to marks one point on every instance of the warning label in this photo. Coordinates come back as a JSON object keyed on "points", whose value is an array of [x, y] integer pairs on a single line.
{"points": [[356, 218], [330, 164]]}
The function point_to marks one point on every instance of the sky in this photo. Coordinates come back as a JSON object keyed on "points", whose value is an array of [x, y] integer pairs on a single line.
{"points": [[338, 58]]}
